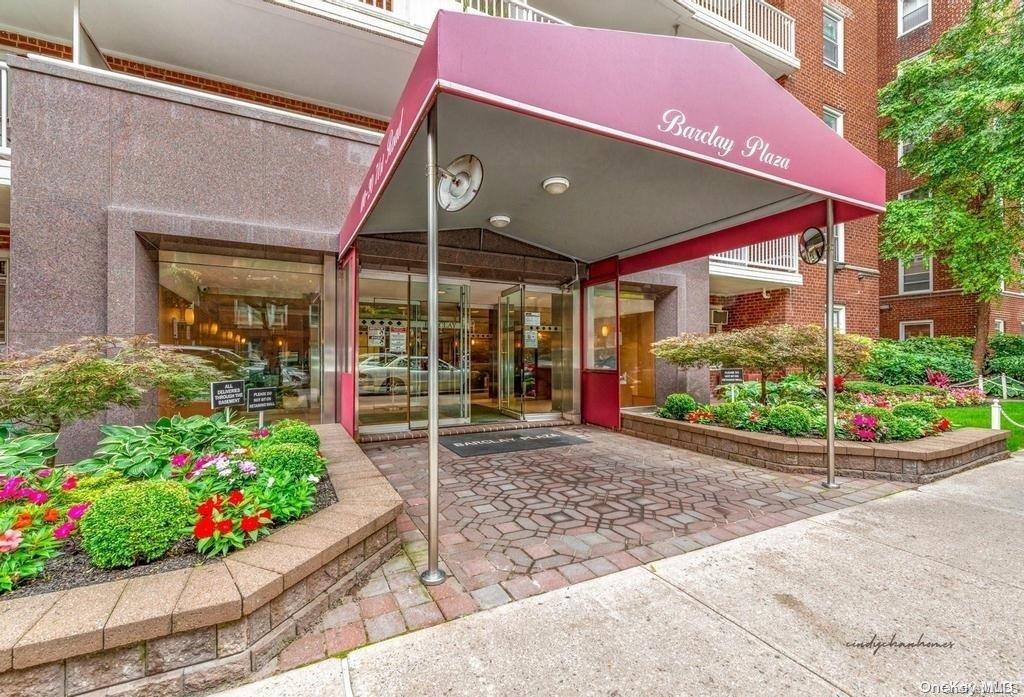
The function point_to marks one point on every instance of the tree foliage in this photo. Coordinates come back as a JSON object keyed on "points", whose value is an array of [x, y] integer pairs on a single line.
{"points": [[768, 348], [959, 106], [67, 383]]}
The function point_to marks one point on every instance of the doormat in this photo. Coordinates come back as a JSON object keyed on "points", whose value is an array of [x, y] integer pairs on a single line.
{"points": [[473, 444]]}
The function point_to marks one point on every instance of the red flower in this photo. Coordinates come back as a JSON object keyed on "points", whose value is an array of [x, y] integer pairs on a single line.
{"points": [[207, 507], [69, 483], [204, 528], [236, 497], [22, 521], [224, 527], [52, 515], [943, 424], [266, 514], [251, 523]]}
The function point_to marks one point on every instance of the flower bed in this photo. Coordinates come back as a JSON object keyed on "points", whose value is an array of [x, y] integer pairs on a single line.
{"points": [[179, 487]]}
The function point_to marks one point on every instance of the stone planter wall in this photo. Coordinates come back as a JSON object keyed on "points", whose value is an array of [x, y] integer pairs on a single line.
{"points": [[918, 461], [195, 630]]}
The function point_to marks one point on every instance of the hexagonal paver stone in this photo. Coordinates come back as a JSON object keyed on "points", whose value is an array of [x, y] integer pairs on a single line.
{"points": [[72, 627]]}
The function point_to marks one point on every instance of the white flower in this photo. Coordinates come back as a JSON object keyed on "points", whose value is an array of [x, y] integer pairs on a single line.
{"points": [[238, 451], [270, 482], [313, 478]]}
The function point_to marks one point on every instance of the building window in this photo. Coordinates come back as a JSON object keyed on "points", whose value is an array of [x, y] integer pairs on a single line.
{"points": [[832, 35], [602, 327], [902, 148], [917, 327], [833, 118], [913, 14], [1000, 326], [839, 242], [839, 318], [916, 277]]}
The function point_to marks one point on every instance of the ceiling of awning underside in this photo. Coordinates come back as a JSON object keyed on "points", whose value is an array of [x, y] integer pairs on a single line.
{"points": [[623, 198]]}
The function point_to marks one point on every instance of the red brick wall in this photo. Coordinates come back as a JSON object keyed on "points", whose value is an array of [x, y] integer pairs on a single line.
{"points": [[28, 43], [951, 312], [853, 92]]}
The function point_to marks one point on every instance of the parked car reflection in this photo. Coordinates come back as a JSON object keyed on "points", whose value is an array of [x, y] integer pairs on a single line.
{"points": [[396, 376]]}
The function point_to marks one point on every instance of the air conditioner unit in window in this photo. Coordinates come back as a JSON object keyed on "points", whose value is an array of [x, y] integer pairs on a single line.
{"points": [[719, 316]]}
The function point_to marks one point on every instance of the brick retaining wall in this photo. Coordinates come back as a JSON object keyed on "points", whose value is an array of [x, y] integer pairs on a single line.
{"points": [[918, 461], [196, 630]]}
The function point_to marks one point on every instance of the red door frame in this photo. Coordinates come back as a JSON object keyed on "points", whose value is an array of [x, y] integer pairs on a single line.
{"points": [[599, 387], [348, 380]]}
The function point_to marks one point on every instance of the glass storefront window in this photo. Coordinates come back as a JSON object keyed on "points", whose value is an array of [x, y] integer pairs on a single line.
{"points": [[601, 327], [255, 319], [636, 320], [382, 350]]}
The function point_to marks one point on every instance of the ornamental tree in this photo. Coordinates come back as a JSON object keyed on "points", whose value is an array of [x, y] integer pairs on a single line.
{"points": [[959, 106], [64, 384], [768, 348]]}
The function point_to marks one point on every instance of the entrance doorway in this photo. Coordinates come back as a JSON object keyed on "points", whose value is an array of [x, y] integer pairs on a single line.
{"points": [[504, 352]]}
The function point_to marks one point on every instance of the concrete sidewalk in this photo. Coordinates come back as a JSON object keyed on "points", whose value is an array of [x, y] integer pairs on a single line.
{"points": [[784, 611]]}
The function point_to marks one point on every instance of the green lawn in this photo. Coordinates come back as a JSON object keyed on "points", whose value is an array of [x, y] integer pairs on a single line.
{"points": [[981, 416]]}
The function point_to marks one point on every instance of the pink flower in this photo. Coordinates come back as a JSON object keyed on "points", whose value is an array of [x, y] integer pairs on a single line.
{"points": [[69, 483], [180, 460], [10, 541], [62, 531], [78, 510], [37, 496], [44, 473]]}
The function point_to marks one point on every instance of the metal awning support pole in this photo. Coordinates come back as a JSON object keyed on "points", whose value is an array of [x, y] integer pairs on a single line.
{"points": [[433, 576], [830, 364]]}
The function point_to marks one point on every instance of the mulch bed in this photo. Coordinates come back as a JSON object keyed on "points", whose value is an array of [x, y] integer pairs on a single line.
{"points": [[71, 568]]}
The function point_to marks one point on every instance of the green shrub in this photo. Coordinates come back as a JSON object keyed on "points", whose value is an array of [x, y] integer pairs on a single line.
{"points": [[299, 459], [917, 410], [1013, 366], [904, 428], [866, 386], [678, 406], [288, 423], [1005, 345], [733, 414], [91, 487], [946, 345], [905, 362], [298, 433], [135, 523], [285, 493], [790, 419]]}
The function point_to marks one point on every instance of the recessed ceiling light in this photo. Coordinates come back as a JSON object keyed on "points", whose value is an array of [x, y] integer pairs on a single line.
{"points": [[500, 221], [556, 185]]}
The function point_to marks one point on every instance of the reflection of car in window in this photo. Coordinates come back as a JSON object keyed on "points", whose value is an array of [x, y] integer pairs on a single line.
{"points": [[396, 376]]}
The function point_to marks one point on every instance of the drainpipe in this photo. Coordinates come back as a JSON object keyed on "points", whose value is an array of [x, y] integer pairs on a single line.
{"points": [[830, 367]]}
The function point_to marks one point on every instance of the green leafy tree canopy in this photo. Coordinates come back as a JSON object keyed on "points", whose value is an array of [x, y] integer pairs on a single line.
{"points": [[959, 108], [67, 383]]}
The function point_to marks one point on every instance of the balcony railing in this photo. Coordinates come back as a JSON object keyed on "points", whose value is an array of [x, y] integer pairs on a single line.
{"points": [[509, 9], [5, 143], [421, 12], [774, 255], [755, 18]]}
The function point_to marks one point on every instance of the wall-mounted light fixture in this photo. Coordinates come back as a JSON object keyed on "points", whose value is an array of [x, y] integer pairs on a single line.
{"points": [[556, 186]]}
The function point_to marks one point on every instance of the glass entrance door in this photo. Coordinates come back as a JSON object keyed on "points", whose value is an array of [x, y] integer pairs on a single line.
{"points": [[510, 352], [453, 357]]}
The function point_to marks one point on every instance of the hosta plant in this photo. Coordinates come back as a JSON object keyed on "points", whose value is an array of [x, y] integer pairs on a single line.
{"points": [[21, 455]]}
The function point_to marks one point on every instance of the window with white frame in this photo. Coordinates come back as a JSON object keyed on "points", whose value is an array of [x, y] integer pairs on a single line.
{"points": [[902, 148], [915, 194], [832, 36], [913, 14], [839, 318], [833, 118], [916, 277], [1000, 326], [917, 327], [839, 242]]}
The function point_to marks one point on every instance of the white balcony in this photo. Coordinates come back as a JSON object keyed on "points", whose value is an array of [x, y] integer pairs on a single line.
{"points": [[761, 31], [762, 266], [5, 142]]}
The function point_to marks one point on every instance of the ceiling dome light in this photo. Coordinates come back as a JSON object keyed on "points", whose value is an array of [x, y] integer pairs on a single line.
{"points": [[556, 185], [500, 221]]}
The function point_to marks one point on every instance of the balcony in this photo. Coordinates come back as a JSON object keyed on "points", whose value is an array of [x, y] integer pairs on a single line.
{"points": [[5, 143], [767, 35], [762, 266]]}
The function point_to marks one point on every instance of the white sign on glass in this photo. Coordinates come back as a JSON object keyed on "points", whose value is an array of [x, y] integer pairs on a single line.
{"points": [[397, 340]]}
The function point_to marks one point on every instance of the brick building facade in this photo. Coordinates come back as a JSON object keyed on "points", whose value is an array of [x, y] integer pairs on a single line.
{"points": [[941, 309]]}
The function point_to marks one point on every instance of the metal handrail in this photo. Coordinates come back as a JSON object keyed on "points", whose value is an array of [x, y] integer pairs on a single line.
{"points": [[774, 255]]}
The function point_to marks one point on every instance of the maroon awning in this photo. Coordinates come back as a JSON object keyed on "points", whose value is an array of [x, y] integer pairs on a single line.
{"points": [[676, 148]]}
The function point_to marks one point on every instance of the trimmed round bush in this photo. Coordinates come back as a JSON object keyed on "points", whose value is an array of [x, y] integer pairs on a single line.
{"points": [[92, 486], [297, 433], [296, 458], [732, 414], [678, 406], [904, 428], [917, 410], [135, 523], [790, 419]]}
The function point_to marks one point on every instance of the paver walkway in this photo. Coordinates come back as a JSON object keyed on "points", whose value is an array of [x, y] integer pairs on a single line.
{"points": [[807, 608], [521, 524]]}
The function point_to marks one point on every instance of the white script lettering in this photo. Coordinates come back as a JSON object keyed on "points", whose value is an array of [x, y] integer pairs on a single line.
{"points": [[673, 122]]}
